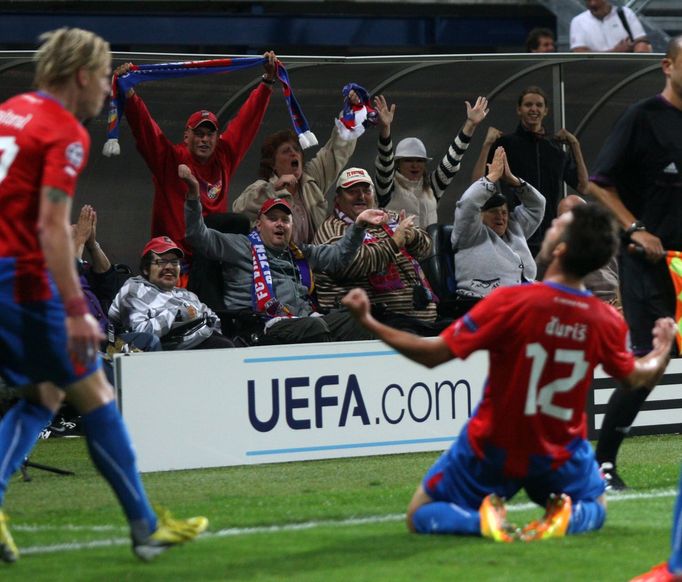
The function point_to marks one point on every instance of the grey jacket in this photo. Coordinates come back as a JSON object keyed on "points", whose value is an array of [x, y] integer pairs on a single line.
{"points": [[234, 251], [143, 307], [484, 260]]}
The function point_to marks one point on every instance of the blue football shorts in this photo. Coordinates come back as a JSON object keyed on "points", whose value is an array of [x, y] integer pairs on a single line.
{"points": [[33, 341], [460, 477]]}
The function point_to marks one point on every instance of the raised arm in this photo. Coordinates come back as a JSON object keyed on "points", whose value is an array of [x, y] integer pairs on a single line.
{"points": [[649, 369], [81, 231], [448, 167], [98, 258], [582, 177], [429, 352], [54, 230], [242, 129], [492, 135], [468, 224], [325, 167], [150, 141], [215, 245], [384, 164]]}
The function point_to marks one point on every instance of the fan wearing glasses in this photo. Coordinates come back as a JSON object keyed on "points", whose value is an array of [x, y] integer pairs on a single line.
{"points": [[154, 303]]}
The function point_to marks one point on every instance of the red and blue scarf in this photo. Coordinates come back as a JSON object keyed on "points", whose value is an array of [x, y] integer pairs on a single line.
{"points": [[263, 296], [141, 73], [349, 109]]}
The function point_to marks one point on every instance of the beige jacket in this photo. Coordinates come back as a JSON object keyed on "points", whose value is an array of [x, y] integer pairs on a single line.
{"points": [[414, 197], [319, 174]]}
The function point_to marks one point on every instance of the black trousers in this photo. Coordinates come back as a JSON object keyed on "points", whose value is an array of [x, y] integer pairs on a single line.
{"points": [[336, 326], [647, 293]]}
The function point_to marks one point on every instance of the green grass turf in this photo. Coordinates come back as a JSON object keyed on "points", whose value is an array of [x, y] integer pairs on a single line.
{"points": [[54, 510]]}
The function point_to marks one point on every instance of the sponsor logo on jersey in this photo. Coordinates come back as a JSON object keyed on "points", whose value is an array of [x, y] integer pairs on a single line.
{"points": [[572, 302], [75, 153], [671, 168], [214, 190]]}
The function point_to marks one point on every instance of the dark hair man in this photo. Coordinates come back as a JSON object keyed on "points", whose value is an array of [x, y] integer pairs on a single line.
{"points": [[528, 431], [540, 40]]}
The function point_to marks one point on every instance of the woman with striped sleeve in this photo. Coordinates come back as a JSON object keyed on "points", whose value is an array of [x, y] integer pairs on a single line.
{"points": [[401, 178]]}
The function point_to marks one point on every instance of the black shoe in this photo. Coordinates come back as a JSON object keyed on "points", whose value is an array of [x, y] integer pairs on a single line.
{"points": [[613, 480], [62, 427]]}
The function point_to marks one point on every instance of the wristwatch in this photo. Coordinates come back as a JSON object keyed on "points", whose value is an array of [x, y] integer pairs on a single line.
{"points": [[636, 226], [264, 79]]}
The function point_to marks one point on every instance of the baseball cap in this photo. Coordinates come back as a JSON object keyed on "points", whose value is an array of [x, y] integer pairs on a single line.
{"points": [[353, 176], [160, 245], [202, 116], [411, 147], [494, 201], [270, 203]]}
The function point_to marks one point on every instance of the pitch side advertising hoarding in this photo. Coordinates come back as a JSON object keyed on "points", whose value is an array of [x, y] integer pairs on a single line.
{"points": [[273, 404]]}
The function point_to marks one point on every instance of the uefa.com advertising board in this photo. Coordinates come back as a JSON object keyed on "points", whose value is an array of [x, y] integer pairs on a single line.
{"points": [[270, 404]]}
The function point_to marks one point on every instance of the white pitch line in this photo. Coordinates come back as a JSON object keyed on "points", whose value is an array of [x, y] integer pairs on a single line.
{"points": [[241, 531], [69, 527]]}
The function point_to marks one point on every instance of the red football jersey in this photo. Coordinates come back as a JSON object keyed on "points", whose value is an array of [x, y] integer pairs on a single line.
{"points": [[544, 341], [41, 144], [162, 158]]}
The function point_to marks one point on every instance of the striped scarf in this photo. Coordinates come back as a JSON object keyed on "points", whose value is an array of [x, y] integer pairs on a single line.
{"points": [[265, 302], [141, 73]]}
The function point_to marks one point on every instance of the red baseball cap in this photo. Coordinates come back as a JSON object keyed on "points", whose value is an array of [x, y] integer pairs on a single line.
{"points": [[270, 203], [160, 245], [202, 116]]}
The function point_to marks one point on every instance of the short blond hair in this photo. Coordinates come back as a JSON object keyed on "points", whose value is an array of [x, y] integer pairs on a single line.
{"points": [[64, 51]]}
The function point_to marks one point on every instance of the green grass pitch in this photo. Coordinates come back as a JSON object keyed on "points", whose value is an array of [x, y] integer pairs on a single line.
{"points": [[337, 520]]}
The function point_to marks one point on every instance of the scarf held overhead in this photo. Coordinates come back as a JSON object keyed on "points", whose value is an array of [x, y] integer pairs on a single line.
{"points": [[141, 73]]}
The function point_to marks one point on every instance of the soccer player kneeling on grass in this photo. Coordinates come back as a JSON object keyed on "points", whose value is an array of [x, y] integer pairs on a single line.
{"points": [[528, 432], [48, 337]]}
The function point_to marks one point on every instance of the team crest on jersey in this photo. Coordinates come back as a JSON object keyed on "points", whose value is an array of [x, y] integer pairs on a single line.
{"points": [[213, 191], [75, 153]]}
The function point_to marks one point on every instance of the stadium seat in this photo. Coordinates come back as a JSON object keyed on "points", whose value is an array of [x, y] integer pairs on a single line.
{"points": [[206, 280], [439, 267]]}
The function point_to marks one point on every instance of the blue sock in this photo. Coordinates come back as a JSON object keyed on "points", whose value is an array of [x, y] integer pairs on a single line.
{"points": [[675, 561], [586, 516], [112, 453], [440, 517], [19, 430]]}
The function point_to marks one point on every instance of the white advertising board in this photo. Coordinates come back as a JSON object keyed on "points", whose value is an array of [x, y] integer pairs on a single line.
{"points": [[284, 403], [660, 414]]}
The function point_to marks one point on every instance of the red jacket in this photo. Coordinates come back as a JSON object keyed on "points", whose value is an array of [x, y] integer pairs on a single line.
{"points": [[163, 158]]}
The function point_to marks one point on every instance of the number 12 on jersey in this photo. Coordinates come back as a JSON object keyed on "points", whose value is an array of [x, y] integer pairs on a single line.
{"points": [[540, 399]]}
